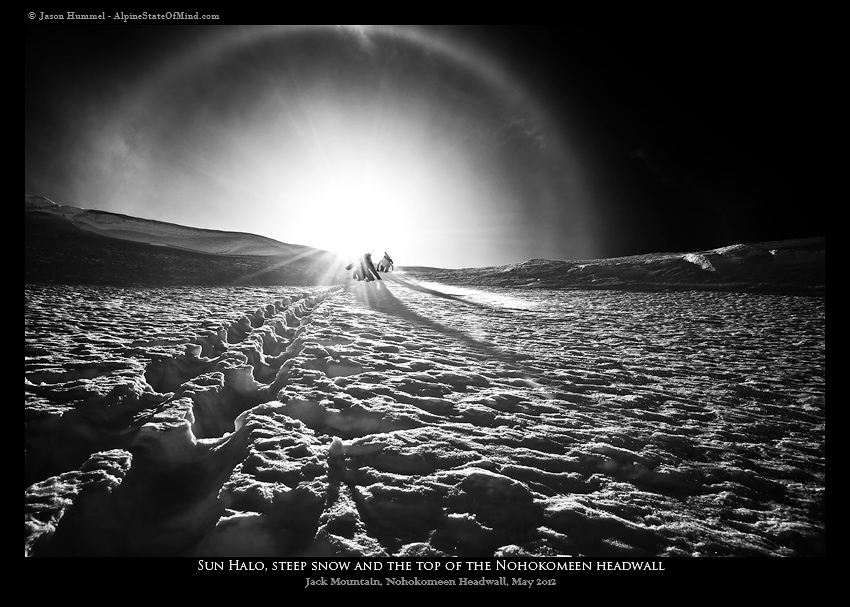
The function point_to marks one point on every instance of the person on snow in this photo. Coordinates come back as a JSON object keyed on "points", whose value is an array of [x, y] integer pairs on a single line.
{"points": [[364, 269], [386, 263]]}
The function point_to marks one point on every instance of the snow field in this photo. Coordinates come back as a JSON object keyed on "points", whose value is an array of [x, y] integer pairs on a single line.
{"points": [[383, 419]]}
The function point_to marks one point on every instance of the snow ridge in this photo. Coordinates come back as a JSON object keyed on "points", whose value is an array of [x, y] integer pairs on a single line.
{"points": [[159, 233], [700, 260]]}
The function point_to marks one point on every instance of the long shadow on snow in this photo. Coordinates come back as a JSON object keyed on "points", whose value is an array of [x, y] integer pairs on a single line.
{"points": [[417, 287], [378, 296]]}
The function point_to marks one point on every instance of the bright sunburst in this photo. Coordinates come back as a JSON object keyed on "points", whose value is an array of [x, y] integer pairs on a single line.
{"points": [[362, 189], [348, 139]]}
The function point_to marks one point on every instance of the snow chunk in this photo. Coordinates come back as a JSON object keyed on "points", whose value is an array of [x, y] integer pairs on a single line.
{"points": [[700, 260]]}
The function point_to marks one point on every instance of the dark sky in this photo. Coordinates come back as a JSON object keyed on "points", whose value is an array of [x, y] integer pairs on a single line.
{"points": [[449, 146]]}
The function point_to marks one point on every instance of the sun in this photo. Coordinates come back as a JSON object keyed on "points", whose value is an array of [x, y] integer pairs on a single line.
{"points": [[354, 202], [356, 209], [366, 181], [351, 140]]}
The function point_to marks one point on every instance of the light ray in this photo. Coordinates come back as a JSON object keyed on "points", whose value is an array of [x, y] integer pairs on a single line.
{"points": [[354, 158]]}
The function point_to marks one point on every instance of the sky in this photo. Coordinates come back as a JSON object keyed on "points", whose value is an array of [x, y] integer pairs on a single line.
{"points": [[446, 146]]}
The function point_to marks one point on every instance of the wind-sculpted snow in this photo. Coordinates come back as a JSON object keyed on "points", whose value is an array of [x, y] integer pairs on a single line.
{"points": [[399, 418], [796, 267]]}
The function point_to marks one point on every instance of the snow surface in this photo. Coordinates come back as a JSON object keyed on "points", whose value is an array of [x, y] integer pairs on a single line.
{"points": [[411, 418], [160, 233], [670, 404], [69, 245]]}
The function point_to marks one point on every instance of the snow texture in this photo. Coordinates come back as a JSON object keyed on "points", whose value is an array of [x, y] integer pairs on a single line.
{"points": [[471, 412], [377, 419]]}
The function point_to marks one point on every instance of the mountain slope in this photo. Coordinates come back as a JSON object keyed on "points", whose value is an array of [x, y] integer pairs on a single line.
{"points": [[79, 246], [788, 266], [68, 245]]}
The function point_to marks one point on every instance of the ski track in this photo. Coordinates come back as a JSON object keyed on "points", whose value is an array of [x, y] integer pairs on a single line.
{"points": [[389, 418]]}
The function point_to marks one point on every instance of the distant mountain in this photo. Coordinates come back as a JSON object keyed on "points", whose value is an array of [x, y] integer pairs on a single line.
{"points": [[70, 245], [787, 266], [160, 233]]}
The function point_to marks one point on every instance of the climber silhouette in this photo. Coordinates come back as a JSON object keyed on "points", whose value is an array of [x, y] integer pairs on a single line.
{"points": [[364, 269]]}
